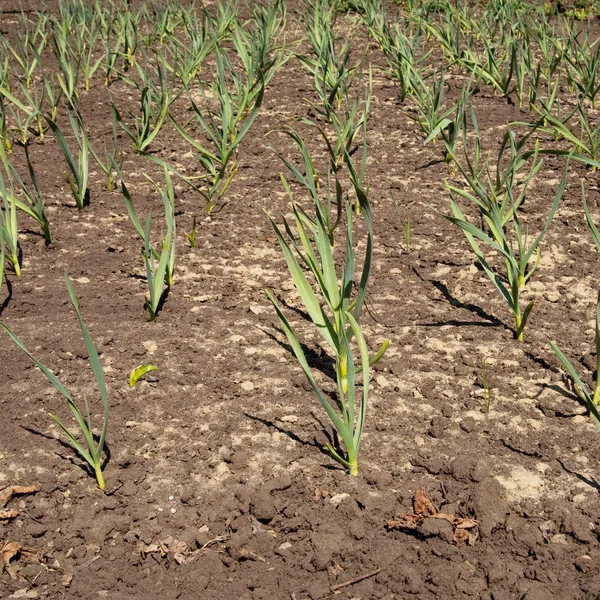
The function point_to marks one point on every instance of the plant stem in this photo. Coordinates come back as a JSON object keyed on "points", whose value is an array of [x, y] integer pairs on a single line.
{"points": [[518, 328], [17, 266], [353, 466], [99, 476]]}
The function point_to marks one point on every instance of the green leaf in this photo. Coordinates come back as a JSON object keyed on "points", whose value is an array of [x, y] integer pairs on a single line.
{"points": [[139, 372]]}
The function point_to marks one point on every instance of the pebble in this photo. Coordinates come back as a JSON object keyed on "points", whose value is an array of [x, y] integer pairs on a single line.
{"points": [[247, 386], [150, 346], [338, 498], [382, 381]]}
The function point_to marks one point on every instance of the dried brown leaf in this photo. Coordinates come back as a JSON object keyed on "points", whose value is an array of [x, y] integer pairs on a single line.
{"points": [[9, 551], [407, 521], [7, 515], [15, 490], [452, 519], [249, 555], [466, 523], [422, 505], [335, 569], [461, 537]]}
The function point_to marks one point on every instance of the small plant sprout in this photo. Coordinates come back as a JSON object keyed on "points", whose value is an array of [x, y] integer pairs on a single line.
{"points": [[336, 320], [155, 103], [405, 224], [160, 264], [191, 237], [8, 224], [232, 104], [77, 175], [590, 398], [33, 204], [2, 257], [482, 379], [89, 450], [111, 165]]}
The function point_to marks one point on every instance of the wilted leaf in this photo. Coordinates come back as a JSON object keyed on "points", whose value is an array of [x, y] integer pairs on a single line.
{"points": [[7, 515], [15, 490], [407, 521], [249, 555], [461, 537], [466, 524], [422, 505], [9, 551]]}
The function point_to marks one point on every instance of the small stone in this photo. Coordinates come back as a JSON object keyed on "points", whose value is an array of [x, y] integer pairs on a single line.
{"points": [[552, 296], [289, 419], [584, 563], [382, 381], [247, 386], [83, 280], [150, 346], [559, 538], [338, 498]]}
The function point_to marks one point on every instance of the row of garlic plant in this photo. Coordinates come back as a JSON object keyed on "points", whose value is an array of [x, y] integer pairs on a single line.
{"points": [[238, 87], [341, 116]]}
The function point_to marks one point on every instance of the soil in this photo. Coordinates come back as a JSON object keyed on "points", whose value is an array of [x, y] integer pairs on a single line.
{"points": [[217, 483]]}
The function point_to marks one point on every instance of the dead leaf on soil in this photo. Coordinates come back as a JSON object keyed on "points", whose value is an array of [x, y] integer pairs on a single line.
{"points": [[406, 521], [7, 515], [335, 569], [15, 490], [320, 494], [465, 531], [174, 550], [422, 505], [249, 555], [9, 551]]}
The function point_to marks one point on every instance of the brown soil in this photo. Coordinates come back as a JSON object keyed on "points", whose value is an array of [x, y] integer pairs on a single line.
{"points": [[217, 486]]}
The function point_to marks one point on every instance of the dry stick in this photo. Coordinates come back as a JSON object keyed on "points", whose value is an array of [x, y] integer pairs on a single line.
{"points": [[350, 582]]}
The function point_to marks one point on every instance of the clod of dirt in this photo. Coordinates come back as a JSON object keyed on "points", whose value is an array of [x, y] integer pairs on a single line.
{"points": [[489, 506], [437, 528], [324, 546], [263, 506]]}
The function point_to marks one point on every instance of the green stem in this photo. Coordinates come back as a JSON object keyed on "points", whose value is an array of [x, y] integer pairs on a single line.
{"points": [[16, 265], [353, 466], [99, 476]]}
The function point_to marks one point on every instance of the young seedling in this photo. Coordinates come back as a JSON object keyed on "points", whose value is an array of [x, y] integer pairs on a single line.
{"points": [[34, 202], [225, 125], [111, 165], [336, 319], [89, 450], [191, 237], [483, 381], [156, 101], [77, 176], [590, 398], [8, 224], [405, 224], [2, 257], [498, 205], [160, 264]]}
